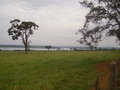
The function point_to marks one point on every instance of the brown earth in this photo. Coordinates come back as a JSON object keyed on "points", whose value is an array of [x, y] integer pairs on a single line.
{"points": [[103, 80]]}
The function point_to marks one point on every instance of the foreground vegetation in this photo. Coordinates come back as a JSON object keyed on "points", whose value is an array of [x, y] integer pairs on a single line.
{"points": [[51, 70]]}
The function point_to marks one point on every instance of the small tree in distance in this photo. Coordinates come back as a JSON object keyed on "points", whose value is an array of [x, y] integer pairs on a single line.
{"points": [[48, 47], [22, 29]]}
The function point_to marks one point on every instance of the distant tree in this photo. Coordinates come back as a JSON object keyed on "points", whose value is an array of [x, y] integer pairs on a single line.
{"points": [[104, 17], [23, 30], [75, 49], [48, 47]]}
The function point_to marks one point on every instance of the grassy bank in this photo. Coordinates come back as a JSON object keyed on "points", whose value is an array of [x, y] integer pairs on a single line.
{"points": [[50, 70]]}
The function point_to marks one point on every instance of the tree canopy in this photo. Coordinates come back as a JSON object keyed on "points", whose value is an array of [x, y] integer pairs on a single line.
{"points": [[48, 47], [23, 30], [104, 17]]}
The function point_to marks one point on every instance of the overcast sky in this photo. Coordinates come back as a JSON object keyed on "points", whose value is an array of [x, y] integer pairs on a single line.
{"points": [[58, 21]]}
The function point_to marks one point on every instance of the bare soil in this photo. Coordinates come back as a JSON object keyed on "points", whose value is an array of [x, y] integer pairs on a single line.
{"points": [[103, 80]]}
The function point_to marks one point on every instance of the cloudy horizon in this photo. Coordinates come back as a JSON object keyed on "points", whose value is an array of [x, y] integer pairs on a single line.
{"points": [[58, 21]]}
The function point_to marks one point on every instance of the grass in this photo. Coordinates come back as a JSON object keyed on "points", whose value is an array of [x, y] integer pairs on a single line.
{"points": [[51, 70]]}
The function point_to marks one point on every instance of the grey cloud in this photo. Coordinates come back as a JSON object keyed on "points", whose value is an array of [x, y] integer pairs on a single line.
{"points": [[40, 3]]}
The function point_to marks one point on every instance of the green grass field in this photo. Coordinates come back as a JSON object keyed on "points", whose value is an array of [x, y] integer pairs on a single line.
{"points": [[51, 70]]}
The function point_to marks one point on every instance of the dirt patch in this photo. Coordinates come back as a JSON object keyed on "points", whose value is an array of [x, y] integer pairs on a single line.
{"points": [[104, 80], [103, 67], [111, 77]]}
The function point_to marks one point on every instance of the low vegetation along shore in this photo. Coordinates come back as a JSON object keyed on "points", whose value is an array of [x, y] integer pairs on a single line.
{"points": [[51, 70]]}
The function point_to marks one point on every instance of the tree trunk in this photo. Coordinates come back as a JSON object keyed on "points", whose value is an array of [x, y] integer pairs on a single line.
{"points": [[26, 49], [25, 45]]}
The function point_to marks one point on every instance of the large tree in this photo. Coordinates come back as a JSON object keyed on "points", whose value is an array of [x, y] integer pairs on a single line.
{"points": [[23, 30], [102, 19]]}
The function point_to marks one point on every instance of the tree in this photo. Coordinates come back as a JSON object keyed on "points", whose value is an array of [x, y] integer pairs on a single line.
{"points": [[22, 29], [48, 47], [104, 17]]}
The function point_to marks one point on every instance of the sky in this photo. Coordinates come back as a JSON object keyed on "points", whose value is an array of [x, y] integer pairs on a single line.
{"points": [[58, 21]]}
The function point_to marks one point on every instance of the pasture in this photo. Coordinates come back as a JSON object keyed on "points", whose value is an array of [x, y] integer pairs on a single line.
{"points": [[49, 70]]}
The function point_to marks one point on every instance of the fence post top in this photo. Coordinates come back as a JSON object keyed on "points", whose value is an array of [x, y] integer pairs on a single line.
{"points": [[113, 62]]}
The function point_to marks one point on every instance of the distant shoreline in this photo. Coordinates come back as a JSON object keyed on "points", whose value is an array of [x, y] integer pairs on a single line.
{"points": [[53, 48]]}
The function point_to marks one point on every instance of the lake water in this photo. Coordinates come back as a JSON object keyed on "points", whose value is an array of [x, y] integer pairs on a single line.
{"points": [[12, 48], [44, 49], [20, 48]]}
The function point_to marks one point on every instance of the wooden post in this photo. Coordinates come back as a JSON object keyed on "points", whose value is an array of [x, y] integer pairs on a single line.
{"points": [[97, 84], [113, 75], [118, 78]]}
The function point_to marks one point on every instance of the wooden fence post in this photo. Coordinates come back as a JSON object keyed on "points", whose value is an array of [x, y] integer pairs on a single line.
{"points": [[118, 77], [97, 84], [113, 75]]}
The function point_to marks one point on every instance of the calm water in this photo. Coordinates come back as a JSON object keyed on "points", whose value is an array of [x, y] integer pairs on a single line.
{"points": [[14, 48], [44, 49]]}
